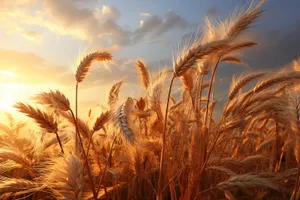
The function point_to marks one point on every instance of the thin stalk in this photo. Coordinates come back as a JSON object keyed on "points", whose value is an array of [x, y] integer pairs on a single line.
{"points": [[277, 146], [198, 103], [236, 150], [210, 151], [247, 101], [210, 88], [146, 128], [298, 172], [76, 113], [58, 139], [151, 184], [88, 148], [212, 97], [200, 95], [104, 170], [173, 177], [214, 144], [297, 183], [159, 191], [204, 191], [85, 157], [90, 141]]}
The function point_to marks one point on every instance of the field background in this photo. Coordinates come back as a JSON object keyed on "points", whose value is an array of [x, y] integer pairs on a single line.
{"points": [[149, 100]]}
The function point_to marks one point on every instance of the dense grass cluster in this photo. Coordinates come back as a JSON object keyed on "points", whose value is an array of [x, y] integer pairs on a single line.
{"points": [[159, 146]]}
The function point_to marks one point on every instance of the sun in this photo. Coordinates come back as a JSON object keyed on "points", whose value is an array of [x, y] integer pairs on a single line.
{"points": [[6, 102], [6, 91]]}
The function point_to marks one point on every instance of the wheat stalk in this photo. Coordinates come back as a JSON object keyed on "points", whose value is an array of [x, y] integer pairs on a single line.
{"points": [[82, 126], [54, 99], [87, 61], [245, 19], [17, 186], [15, 155], [101, 120], [43, 119], [247, 181], [231, 60], [113, 96], [187, 79], [65, 177], [144, 73], [241, 82], [275, 80], [222, 169], [122, 119], [197, 52]]}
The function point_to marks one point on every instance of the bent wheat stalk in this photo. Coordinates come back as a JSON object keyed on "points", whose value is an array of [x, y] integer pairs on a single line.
{"points": [[160, 177], [209, 90], [106, 165], [43, 119], [81, 73]]}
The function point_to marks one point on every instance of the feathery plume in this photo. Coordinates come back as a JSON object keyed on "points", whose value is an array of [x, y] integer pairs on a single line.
{"points": [[43, 119], [122, 119], [144, 73], [101, 120], [54, 99], [241, 82], [197, 52], [87, 61], [114, 94]]}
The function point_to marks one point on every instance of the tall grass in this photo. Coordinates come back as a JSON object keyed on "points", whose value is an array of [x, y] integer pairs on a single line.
{"points": [[159, 146]]}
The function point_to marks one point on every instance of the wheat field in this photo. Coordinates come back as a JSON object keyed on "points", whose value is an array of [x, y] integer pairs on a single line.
{"points": [[160, 146]]}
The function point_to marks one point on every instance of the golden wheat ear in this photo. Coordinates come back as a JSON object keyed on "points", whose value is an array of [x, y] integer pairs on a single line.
{"points": [[54, 99], [144, 73], [198, 52], [43, 119], [65, 177], [87, 61], [113, 96], [17, 186], [122, 120], [101, 120], [247, 181], [246, 18], [241, 82], [278, 78], [232, 60]]}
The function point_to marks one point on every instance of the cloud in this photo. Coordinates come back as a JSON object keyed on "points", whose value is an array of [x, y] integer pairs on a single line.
{"points": [[145, 14], [155, 26], [107, 13], [31, 69], [33, 35], [9, 3], [65, 18], [98, 25]]}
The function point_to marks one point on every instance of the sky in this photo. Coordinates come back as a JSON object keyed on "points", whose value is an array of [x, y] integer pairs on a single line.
{"points": [[41, 42]]}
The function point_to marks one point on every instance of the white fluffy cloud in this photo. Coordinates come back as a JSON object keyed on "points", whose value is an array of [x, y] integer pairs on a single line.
{"points": [[99, 25]]}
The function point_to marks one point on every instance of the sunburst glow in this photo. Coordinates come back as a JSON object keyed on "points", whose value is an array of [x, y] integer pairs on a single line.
{"points": [[8, 74], [6, 102]]}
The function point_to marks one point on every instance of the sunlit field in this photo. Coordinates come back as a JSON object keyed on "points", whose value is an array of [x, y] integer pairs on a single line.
{"points": [[166, 140]]}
